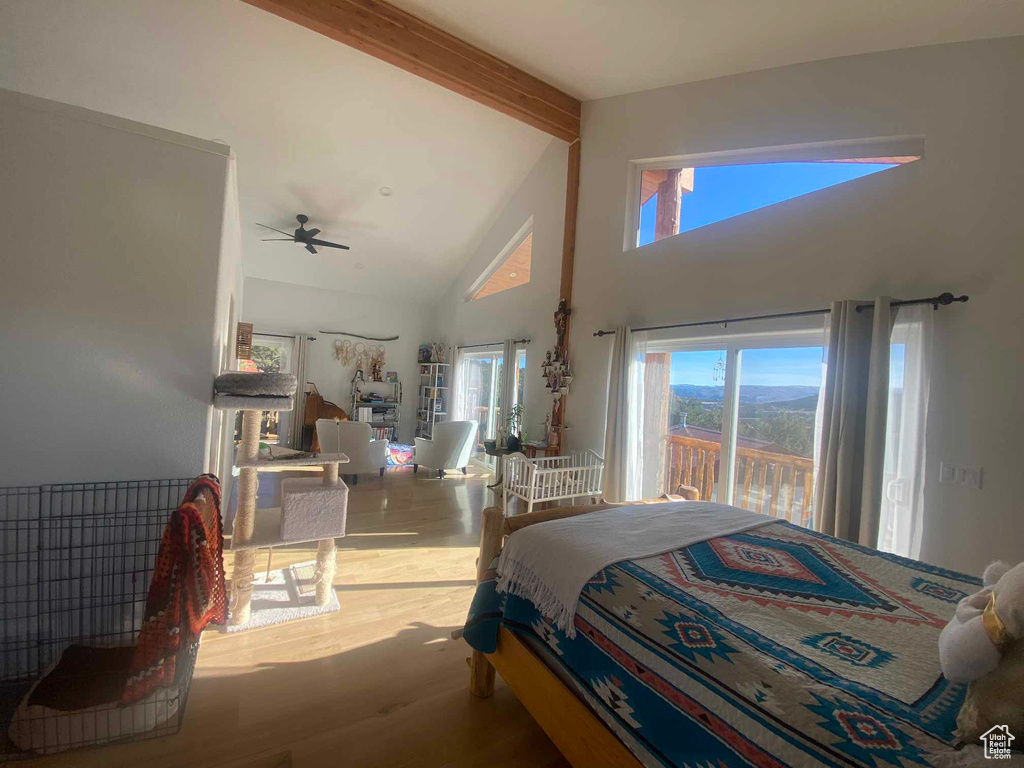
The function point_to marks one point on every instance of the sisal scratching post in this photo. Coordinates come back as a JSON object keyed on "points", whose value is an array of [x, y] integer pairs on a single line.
{"points": [[326, 551], [326, 559], [245, 519]]}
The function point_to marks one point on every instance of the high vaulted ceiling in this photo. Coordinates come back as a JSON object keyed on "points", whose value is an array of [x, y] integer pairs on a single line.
{"points": [[317, 127], [596, 48]]}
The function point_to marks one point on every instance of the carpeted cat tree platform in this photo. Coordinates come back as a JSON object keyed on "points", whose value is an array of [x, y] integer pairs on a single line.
{"points": [[312, 509]]}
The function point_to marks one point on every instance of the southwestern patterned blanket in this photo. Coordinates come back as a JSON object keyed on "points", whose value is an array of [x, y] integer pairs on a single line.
{"points": [[775, 647]]}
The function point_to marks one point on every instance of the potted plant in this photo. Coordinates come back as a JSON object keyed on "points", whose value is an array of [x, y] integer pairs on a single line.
{"points": [[514, 428]]}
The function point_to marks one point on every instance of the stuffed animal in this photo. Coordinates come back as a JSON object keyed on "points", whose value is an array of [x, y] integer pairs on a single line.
{"points": [[983, 645]]}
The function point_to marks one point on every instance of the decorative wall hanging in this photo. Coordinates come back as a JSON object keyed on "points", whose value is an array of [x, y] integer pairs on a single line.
{"points": [[343, 351], [376, 360], [718, 375], [358, 336], [556, 374]]}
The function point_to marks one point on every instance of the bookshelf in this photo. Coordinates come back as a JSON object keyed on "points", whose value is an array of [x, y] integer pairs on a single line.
{"points": [[434, 399]]}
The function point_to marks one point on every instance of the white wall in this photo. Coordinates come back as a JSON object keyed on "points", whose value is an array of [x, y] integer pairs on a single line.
{"points": [[951, 221], [274, 307], [108, 295], [525, 311]]}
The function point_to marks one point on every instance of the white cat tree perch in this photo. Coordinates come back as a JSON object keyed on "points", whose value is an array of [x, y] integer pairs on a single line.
{"points": [[312, 509]]}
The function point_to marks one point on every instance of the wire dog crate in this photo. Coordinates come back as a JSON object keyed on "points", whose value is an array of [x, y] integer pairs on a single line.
{"points": [[75, 566]]}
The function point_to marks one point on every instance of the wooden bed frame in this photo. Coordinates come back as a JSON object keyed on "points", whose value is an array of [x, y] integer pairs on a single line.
{"points": [[580, 735]]}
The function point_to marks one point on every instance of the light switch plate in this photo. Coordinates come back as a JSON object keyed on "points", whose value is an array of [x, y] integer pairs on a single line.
{"points": [[965, 477]]}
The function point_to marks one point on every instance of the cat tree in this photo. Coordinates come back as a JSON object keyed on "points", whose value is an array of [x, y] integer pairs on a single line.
{"points": [[312, 509]]}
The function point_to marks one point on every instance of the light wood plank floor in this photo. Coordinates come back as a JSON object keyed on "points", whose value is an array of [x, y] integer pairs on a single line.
{"points": [[379, 683]]}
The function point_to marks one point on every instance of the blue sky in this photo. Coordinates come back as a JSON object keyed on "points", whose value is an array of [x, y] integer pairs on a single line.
{"points": [[725, 191], [774, 367], [768, 367]]}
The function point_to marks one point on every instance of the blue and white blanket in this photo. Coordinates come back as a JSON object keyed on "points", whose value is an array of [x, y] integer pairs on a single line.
{"points": [[773, 647]]}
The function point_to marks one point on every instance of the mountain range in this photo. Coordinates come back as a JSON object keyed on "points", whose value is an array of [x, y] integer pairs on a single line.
{"points": [[749, 393]]}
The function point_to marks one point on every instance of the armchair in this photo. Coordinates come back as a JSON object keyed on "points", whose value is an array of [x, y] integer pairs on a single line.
{"points": [[450, 447], [353, 439]]}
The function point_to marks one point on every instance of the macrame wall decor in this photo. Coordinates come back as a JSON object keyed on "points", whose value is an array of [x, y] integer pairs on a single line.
{"points": [[343, 352], [366, 358]]}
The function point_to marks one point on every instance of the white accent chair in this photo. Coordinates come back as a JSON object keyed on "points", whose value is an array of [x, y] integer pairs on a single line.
{"points": [[353, 439], [450, 447]]}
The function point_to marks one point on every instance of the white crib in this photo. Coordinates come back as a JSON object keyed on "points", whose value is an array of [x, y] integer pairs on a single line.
{"points": [[552, 478]]}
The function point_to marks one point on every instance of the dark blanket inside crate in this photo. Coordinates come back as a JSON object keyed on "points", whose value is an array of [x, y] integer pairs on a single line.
{"points": [[84, 677]]}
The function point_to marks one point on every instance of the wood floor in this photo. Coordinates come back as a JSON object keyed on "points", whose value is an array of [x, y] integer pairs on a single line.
{"points": [[379, 683]]}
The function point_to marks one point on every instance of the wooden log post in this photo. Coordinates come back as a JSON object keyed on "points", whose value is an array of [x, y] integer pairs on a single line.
{"points": [[492, 532]]}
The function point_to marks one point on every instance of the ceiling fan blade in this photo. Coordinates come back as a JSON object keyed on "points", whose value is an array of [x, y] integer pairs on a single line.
{"points": [[277, 239], [310, 248], [325, 244], [312, 232], [275, 230]]}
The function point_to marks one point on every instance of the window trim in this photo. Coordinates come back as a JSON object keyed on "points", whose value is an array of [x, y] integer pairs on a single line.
{"points": [[517, 239], [851, 149]]}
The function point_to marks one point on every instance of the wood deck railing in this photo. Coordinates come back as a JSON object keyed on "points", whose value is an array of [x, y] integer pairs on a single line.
{"points": [[770, 483]]}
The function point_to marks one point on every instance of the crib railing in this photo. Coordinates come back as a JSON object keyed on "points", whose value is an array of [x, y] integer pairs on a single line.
{"points": [[552, 478]]}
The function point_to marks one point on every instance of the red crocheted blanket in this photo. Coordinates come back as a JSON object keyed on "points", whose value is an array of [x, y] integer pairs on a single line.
{"points": [[186, 591]]}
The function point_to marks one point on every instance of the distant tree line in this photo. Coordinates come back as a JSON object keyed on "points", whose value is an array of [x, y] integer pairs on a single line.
{"points": [[792, 430]]}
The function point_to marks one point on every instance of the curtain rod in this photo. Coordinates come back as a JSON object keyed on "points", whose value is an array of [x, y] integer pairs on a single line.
{"points": [[944, 299], [492, 344]]}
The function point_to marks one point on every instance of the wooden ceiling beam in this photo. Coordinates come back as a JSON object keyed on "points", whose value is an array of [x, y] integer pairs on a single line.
{"points": [[399, 38]]}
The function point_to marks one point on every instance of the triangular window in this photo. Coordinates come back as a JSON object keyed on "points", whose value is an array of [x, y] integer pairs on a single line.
{"points": [[510, 269], [681, 199]]}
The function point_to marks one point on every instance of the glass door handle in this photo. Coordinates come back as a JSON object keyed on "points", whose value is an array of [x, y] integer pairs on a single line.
{"points": [[895, 491]]}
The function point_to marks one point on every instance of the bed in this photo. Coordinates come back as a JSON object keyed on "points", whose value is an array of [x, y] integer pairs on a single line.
{"points": [[770, 647]]}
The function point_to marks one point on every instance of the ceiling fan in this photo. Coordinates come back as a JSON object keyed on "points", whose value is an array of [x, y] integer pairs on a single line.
{"points": [[306, 237]]}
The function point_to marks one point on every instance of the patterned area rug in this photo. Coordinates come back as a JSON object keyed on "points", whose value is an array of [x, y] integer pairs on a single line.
{"points": [[399, 455], [287, 595]]}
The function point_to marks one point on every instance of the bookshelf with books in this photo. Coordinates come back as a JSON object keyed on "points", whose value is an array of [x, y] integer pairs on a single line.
{"points": [[433, 402]]}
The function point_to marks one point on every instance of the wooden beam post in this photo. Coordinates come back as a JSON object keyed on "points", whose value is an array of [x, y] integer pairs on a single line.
{"points": [[399, 38], [572, 201]]}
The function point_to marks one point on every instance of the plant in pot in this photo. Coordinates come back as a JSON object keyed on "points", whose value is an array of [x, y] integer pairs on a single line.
{"points": [[514, 428]]}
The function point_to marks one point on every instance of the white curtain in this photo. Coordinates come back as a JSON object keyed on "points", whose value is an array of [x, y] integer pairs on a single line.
{"points": [[508, 380], [653, 373], [301, 349], [623, 441], [468, 389], [455, 397], [901, 514]]}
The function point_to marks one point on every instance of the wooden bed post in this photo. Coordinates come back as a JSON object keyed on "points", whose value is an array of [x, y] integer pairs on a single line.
{"points": [[492, 531]]}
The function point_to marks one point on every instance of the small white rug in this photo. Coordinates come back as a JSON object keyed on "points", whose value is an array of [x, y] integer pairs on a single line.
{"points": [[288, 594]]}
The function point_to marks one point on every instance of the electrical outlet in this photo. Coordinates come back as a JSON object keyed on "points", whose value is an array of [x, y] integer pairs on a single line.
{"points": [[965, 477]]}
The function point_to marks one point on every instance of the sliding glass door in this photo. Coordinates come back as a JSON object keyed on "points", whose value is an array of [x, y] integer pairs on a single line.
{"points": [[734, 418], [481, 376], [776, 402]]}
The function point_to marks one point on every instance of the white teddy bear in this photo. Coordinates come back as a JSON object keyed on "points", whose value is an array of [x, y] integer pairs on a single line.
{"points": [[983, 645]]}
